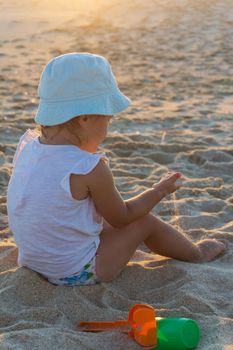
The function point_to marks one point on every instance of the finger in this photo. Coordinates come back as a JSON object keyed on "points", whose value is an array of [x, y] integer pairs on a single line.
{"points": [[176, 175]]}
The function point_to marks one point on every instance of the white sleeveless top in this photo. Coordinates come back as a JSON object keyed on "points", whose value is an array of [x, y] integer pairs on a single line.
{"points": [[56, 234]]}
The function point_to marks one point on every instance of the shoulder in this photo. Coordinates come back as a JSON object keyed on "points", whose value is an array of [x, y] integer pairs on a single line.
{"points": [[101, 169], [100, 174], [82, 184]]}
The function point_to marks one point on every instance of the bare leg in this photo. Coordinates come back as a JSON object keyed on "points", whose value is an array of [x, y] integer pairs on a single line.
{"points": [[171, 243], [117, 245]]}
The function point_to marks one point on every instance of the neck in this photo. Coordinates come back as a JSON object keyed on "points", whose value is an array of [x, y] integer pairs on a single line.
{"points": [[62, 141]]}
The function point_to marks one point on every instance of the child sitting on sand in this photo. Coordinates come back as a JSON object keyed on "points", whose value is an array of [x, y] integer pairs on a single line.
{"points": [[69, 221]]}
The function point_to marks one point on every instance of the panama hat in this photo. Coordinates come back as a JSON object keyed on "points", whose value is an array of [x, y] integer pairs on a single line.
{"points": [[76, 84]]}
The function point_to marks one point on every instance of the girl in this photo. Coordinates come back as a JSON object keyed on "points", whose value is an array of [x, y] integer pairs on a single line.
{"points": [[69, 221]]}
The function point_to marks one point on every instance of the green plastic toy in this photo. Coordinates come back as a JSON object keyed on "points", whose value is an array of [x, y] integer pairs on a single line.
{"points": [[177, 334]]}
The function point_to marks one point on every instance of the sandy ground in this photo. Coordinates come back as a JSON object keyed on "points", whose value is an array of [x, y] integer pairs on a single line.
{"points": [[174, 60]]}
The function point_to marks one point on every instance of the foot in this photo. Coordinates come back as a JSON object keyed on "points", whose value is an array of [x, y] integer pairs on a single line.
{"points": [[209, 249]]}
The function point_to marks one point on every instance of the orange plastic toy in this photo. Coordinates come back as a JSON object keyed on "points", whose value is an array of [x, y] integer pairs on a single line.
{"points": [[141, 325]]}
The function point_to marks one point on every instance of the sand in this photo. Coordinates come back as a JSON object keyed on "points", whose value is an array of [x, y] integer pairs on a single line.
{"points": [[174, 60]]}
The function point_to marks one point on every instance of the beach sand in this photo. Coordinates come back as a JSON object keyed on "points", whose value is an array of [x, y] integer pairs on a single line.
{"points": [[174, 60]]}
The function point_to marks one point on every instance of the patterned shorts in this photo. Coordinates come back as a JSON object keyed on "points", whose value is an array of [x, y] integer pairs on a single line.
{"points": [[87, 275]]}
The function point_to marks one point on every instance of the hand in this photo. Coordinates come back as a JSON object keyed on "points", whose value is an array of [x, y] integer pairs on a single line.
{"points": [[169, 183]]}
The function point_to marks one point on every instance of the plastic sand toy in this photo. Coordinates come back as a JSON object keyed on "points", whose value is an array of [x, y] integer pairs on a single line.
{"points": [[177, 333], [152, 332], [141, 325]]}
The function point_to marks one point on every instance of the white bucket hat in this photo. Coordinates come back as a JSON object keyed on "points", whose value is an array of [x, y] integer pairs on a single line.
{"points": [[76, 84]]}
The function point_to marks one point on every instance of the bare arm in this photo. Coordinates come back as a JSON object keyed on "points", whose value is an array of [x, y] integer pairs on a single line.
{"points": [[111, 205]]}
